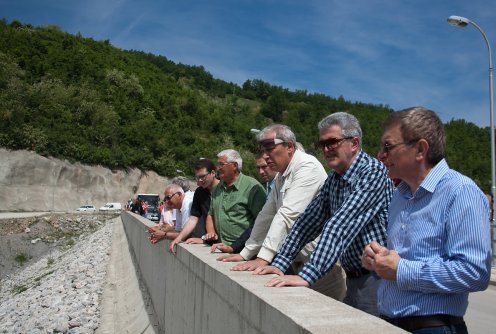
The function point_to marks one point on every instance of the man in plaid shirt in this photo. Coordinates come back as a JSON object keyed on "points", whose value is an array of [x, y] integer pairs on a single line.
{"points": [[349, 213]]}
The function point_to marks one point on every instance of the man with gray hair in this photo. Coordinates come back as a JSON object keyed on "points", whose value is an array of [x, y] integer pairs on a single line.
{"points": [[236, 201], [299, 179], [349, 212], [174, 198]]}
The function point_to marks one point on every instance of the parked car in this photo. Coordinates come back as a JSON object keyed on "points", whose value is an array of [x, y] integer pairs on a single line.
{"points": [[111, 207], [88, 208], [152, 214]]}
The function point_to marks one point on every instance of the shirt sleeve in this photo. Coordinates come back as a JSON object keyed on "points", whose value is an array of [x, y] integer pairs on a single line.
{"points": [[341, 229], [465, 265], [306, 228], [196, 209], [256, 200], [261, 226], [296, 195], [239, 243]]}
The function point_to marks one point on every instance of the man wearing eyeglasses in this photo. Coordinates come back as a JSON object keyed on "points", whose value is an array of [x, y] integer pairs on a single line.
{"points": [[236, 201], [299, 179], [194, 229], [438, 247], [350, 210]]}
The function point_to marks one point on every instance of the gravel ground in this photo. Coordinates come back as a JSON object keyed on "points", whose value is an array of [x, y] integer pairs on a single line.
{"points": [[60, 290]]}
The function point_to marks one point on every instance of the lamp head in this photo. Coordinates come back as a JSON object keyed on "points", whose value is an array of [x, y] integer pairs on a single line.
{"points": [[458, 21]]}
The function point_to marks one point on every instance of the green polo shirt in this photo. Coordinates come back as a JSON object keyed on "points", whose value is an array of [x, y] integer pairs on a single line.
{"points": [[235, 208]]}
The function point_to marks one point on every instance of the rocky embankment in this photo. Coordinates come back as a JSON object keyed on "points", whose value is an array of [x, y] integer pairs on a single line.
{"points": [[59, 286]]}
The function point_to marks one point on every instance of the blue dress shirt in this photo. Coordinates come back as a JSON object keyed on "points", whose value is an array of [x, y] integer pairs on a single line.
{"points": [[442, 234]]}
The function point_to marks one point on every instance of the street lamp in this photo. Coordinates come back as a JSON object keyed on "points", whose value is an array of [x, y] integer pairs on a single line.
{"points": [[459, 21]]}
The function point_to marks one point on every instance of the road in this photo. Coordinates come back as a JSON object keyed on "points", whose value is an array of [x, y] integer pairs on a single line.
{"points": [[481, 313]]}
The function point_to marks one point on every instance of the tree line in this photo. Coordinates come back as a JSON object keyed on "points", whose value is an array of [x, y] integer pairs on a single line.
{"points": [[76, 98]]}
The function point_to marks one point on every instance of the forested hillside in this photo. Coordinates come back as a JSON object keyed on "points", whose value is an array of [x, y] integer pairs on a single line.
{"points": [[72, 97]]}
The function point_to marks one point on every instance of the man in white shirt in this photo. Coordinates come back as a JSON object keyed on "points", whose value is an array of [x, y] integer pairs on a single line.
{"points": [[299, 179], [175, 198]]}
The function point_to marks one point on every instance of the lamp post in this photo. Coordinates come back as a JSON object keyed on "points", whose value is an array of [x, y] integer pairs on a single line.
{"points": [[459, 21]]}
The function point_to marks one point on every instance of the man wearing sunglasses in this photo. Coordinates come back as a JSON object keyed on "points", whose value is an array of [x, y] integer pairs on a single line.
{"points": [[174, 198], [299, 179], [350, 210]]}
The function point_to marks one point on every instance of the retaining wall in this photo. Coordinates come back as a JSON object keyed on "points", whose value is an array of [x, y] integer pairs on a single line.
{"points": [[194, 293]]}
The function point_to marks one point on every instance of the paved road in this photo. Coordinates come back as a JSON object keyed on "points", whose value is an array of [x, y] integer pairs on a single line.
{"points": [[481, 313]]}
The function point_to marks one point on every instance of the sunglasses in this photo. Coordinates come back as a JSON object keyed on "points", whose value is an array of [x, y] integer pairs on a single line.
{"points": [[268, 145], [330, 144], [168, 198]]}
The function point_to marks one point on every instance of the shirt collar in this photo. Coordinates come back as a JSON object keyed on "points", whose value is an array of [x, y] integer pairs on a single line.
{"points": [[431, 180], [235, 185], [434, 176], [289, 169], [350, 172]]}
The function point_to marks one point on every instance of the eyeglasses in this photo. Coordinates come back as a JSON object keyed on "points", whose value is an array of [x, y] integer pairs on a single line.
{"points": [[386, 147], [202, 177], [268, 145], [222, 164], [331, 143], [168, 198]]}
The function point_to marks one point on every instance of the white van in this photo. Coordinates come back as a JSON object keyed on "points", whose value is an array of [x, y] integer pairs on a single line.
{"points": [[111, 207]]}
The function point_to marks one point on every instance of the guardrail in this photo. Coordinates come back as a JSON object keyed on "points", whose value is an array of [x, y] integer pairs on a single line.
{"points": [[194, 293]]}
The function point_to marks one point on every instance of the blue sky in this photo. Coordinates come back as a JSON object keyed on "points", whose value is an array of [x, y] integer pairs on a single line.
{"points": [[397, 53]]}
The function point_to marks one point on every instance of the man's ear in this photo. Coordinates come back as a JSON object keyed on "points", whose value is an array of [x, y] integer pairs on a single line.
{"points": [[422, 149]]}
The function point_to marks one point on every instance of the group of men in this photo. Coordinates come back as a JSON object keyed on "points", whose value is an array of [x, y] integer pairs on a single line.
{"points": [[410, 255]]}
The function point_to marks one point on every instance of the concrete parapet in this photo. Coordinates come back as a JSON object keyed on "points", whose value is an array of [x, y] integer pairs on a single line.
{"points": [[194, 293]]}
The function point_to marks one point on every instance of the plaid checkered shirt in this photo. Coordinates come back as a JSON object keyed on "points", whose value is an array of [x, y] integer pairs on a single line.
{"points": [[348, 214]]}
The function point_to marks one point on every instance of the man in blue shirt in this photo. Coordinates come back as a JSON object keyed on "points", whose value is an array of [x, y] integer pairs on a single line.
{"points": [[349, 213], [438, 247]]}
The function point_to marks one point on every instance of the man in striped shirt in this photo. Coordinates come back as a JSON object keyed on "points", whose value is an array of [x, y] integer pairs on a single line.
{"points": [[438, 247], [349, 213]]}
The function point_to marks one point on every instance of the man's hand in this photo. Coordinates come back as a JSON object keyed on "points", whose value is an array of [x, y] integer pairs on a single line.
{"points": [[268, 270], [287, 280], [387, 264], [369, 254], [230, 258], [156, 235], [194, 241], [172, 245], [221, 247], [250, 265], [210, 237]]}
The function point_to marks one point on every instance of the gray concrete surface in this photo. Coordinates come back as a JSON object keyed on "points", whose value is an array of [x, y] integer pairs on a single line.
{"points": [[194, 293], [123, 306], [480, 316]]}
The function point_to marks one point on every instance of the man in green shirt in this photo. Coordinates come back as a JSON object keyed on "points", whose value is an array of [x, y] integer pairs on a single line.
{"points": [[236, 201]]}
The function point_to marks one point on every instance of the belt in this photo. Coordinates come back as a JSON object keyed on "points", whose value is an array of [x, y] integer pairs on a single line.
{"points": [[357, 273], [411, 324]]}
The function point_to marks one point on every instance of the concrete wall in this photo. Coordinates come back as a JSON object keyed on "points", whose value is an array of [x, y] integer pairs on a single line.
{"points": [[194, 293]]}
